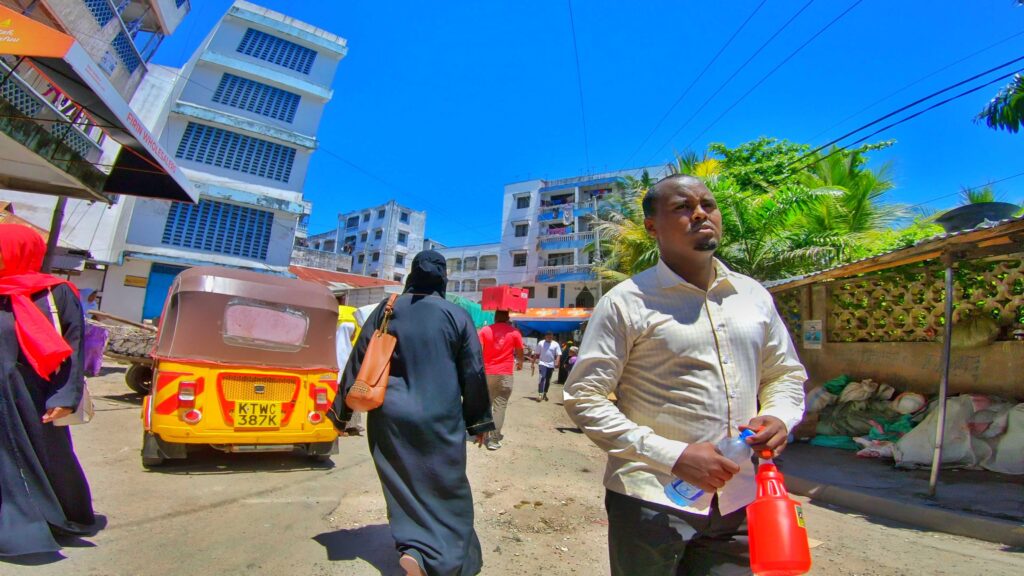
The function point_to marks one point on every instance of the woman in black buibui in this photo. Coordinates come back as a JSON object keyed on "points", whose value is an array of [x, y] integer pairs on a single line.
{"points": [[437, 392]]}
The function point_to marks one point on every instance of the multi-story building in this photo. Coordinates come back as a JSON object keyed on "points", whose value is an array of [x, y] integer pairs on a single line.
{"points": [[547, 238], [382, 240], [241, 117], [471, 268], [74, 146]]}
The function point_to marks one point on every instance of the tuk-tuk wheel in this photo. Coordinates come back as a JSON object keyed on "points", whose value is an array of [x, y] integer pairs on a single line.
{"points": [[139, 378]]}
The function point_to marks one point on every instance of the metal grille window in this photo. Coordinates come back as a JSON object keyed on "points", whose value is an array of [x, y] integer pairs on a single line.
{"points": [[399, 259], [226, 149], [101, 11], [256, 97], [519, 260], [126, 51], [522, 202], [219, 227], [522, 230], [277, 51], [404, 218], [403, 238]]}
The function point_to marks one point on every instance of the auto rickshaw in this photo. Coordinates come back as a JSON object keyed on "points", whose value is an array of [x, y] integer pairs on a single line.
{"points": [[243, 362]]}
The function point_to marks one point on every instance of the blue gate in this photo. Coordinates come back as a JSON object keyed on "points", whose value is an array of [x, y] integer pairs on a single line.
{"points": [[161, 276]]}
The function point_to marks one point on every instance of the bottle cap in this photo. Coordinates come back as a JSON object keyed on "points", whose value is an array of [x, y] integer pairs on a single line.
{"points": [[746, 433]]}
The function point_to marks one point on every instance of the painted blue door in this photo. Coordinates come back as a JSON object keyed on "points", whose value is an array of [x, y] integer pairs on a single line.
{"points": [[160, 278]]}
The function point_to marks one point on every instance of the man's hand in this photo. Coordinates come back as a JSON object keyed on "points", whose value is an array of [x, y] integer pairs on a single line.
{"points": [[703, 466], [480, 439], [56, 413], [772, 437], [519, 366]]}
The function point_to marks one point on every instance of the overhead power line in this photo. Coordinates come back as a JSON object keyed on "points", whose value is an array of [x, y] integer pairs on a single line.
{"points": [[971, 189], [694, 83], [579, 86], [772, 71], [730, 79]]}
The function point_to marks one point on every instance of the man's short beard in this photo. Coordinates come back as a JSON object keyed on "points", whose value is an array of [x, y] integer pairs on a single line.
{"points": [[709, 245]]}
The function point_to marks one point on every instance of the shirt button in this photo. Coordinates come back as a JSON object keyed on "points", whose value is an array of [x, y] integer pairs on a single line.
{"points": [[725, 360]]}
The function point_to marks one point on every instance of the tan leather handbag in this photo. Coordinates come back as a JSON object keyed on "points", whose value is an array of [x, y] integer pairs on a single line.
{"points": [[372, 381]]}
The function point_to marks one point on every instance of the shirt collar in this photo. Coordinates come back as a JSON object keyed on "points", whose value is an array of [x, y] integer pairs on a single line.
{"points": [[668, 279]]}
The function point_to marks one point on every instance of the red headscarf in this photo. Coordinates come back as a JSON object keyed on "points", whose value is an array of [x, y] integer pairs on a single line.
{"points": [[23, 249]]}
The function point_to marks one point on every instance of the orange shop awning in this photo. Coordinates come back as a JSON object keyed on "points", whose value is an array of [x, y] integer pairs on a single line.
{"points": [[145, 168], [552, 319]]}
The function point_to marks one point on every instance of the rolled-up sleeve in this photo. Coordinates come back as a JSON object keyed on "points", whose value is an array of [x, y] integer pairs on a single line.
{"points": [[781, 391], [605, 350]]}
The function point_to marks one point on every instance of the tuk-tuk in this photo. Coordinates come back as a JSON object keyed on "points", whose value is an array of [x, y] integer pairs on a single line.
{"points": [[244, 362]]}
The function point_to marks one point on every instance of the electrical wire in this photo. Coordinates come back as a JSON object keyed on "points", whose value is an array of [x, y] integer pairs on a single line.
{"points": [[694, 82], [579, 86]]}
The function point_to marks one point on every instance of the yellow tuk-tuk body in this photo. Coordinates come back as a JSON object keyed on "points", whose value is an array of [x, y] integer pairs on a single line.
{"points": [[243, 362]]}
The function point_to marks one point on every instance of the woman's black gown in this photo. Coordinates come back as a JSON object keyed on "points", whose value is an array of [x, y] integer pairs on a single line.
{"points": [[42, 486]]}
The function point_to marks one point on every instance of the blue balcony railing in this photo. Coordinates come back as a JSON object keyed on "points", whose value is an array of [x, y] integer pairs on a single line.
{"points": [[565, 273]]}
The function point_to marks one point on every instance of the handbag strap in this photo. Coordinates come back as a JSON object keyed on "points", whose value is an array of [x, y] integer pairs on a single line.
{"points": [[389, 311], [53, 310]]}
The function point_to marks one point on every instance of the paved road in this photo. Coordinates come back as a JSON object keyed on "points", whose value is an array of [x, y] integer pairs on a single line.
{"points": [[538, 504]]}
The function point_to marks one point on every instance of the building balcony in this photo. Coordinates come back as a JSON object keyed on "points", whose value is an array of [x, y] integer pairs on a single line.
{"points": [[568, 273], [565, 241]]}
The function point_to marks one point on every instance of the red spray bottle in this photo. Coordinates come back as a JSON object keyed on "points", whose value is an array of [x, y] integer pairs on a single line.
{"points": [[775, 524]]}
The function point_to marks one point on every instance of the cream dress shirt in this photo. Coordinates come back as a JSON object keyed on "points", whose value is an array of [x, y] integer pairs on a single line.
{"points": [[686, 366]]}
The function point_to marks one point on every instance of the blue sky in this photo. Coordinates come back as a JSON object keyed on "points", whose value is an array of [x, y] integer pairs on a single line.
{"points": [[440, 104]]}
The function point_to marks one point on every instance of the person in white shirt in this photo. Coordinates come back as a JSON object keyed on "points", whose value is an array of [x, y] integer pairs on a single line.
{"points": [[692, 351], [548, 354]]}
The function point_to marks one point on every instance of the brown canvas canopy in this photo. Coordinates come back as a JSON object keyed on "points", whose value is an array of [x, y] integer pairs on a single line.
{"points": [[237, 317]]}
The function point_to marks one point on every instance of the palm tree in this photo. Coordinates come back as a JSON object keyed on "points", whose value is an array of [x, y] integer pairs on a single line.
{"points": [[625, 245], [1006, 110]]}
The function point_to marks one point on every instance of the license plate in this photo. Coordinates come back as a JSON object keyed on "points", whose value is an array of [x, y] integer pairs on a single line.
{"points": [[257, 415]]}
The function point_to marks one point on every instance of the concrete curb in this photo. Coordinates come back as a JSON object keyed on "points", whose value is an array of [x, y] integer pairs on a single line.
{"points": [[918, 515]]}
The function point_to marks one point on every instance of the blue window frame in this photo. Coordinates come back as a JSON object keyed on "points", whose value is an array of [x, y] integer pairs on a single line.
{"points": [[125, 49], [277, 51], [256, 97], [226, 149], [101, 11], [219, 227]]}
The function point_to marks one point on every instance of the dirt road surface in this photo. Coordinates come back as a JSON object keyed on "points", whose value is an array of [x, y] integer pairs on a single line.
{"points": [[538, 502]]}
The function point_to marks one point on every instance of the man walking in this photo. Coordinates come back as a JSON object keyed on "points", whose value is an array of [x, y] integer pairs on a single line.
{"points": [[501, 345], [548, 355], [692, 351]]}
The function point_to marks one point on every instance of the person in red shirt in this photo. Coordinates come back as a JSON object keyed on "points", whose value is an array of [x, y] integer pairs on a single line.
{"points": [[503, 346]]}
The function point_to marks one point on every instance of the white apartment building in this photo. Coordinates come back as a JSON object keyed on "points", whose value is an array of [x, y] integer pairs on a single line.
{"points": [[471, 268], [547, 242], [381, 241]]}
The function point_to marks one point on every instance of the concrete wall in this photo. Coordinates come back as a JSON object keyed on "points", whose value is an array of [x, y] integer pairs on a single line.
{"points": [[121, 300], [914, 366]]}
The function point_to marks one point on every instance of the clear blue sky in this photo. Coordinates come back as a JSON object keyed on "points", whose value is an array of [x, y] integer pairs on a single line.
{"points": [[440, 104]]}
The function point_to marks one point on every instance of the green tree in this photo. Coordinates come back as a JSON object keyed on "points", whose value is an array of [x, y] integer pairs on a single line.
{"points": [[1006, 110]]}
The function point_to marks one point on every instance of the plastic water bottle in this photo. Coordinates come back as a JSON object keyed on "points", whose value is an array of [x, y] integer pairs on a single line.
{"points": [[734, 448]]}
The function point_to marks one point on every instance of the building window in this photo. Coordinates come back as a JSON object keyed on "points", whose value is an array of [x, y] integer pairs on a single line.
{"points": [[256, 97], [362, 237], [225, 149], [403, 238], [277, 51], [219, 227], [179, 3], [126, 51], [378, 234], [522, 230], [373, 275], [519, 259], [380, 214], [522, 202], [404, 218], [361, 259], [101, 11], [352, 222], [366, 217], [552, 291], [398, 277], [376, 257], [399, 259], [529, 291]]}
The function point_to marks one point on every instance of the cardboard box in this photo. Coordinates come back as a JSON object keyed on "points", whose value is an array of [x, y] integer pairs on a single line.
{"points": [[505, 298]]}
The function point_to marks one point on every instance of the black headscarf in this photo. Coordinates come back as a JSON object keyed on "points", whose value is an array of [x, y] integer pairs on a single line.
{"points": [[429, 274]]}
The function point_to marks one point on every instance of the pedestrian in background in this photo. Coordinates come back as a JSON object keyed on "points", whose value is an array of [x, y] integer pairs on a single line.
{"points": [[549, 353], [563, 362], [436, 394], [44, 491], [502, 348], [693, 351]]}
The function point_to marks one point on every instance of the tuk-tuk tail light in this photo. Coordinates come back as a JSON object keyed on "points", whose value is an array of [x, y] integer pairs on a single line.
{"points": [[192, 416], [187, 394], [320, 402], [316, 417]]}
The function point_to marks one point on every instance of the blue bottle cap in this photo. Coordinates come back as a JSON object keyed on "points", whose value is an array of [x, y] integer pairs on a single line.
{"points": [[744, 434]]}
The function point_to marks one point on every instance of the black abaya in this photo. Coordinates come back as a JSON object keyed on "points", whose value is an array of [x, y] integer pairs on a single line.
{"points": [[437, 392], [42, 486]]}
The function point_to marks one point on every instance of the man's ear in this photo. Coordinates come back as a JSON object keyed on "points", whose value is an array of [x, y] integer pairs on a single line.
{"points": [[649, 226]]}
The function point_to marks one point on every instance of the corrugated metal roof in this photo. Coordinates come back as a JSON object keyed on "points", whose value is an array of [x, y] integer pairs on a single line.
{"points": [[335, 280], [921, 245]]}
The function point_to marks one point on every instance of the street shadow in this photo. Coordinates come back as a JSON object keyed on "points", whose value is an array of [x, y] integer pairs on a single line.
{"points": [[371, 544], [564, 429], [129, 398], [206, 461], [108, 370], [38, 559]]}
